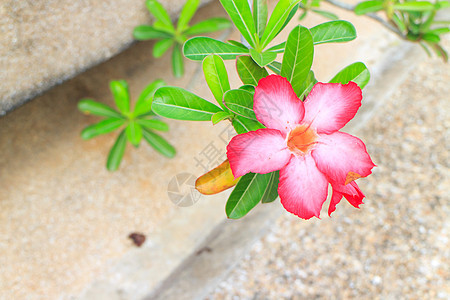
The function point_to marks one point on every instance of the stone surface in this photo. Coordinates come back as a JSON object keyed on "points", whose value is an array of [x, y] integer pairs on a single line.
{"points": [[44, 42]]}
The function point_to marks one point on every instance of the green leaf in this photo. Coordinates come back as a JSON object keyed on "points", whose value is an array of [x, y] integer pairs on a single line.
{"points": [[146, 32], [188, 11], [298, 57], [243, 125], [236, 43], [134, 133], [249, 71], [161, 47], [400, 24], [439, 31], [89, 106], [177, 103], [158, 11], [431, 37], [260, 16], [307, 85], [116, 153], [326, 14], [119, 89], [216, 77], [278, 48], [263, 59], [277, 20], [442, 4], [102, 127], [248, 192], [356, 72], [209, 25], [303, 15], [158, 143], [248, 87], [220, 116], [275, 67], [153, 124], [177, 61], [368, 7], [240, 102], [200, 47], [333, 32], [271, 191], [413, 6], [241, 15], [144, 102]]}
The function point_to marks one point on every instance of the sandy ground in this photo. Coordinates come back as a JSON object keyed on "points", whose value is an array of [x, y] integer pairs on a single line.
{"points": [[397, 245]]}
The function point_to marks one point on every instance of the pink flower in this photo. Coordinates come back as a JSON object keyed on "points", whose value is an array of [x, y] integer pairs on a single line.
{"points": [[303, 142]]}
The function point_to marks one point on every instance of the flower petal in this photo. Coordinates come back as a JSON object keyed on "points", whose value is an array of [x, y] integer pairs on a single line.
{"points": [[342, 157], [276, 105], [303, 188], [351, 192], [261, 151], [329, 106]]}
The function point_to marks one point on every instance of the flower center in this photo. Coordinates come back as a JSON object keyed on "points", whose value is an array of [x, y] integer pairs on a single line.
{"points": [[301, 139]]}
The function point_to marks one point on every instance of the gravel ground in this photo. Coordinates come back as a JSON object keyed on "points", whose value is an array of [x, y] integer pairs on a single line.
{"points": [[397, 245]]}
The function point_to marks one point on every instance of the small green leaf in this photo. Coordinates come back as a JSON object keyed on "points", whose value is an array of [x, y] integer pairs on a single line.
{"points": [[249, 71], [177, 103], [236, 43], [158, 143], [368, 7], [216, 77], [209, 25], [333, 32], [241, 15], [260, 13], [248, 87], [116, 153], [307, 85], [177, 61], [102, 127], [146, 32], [220, 116], [356, 72], [89, 106], [243, 125], [119, 90], [263, 59], [271, 191], [188, 11], [400, 24], [326, 14], [275, 67], [413, 6], [144, 102], [153, 124], [200, 47], [158, 11], [298, 57], [431, 37], [134, 133], [240, 102], [247, 194], [161, 47], [278, 48], [439, 31]]}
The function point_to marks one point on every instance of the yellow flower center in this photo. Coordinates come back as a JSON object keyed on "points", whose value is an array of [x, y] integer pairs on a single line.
{"points": [[301, 139]]}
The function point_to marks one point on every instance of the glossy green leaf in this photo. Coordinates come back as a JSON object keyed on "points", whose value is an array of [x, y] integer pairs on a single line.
{"points": [[263, 59], [248, 87], [177, 103], [279, 48], [414, 6], [307, 85], [247, 194], [119, 89], [177, 61], [161, 47], [134, 133], [158, 143], [249, 71], [220, 116], [260, 13], [333, 32], [243, 125], [200, 47], [89, 106], [216, 77], [326, 14], [241, 15], [102, 127], [290, 16], [144, 102], [188, 11], [153, 124], [277, 20], [116, 153], [146, 32], [368, 7], [209, 25], [275, 67], [271, 191], [240, 102], [298, 57], [158, 11], [236, 43], [356, 72]]}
